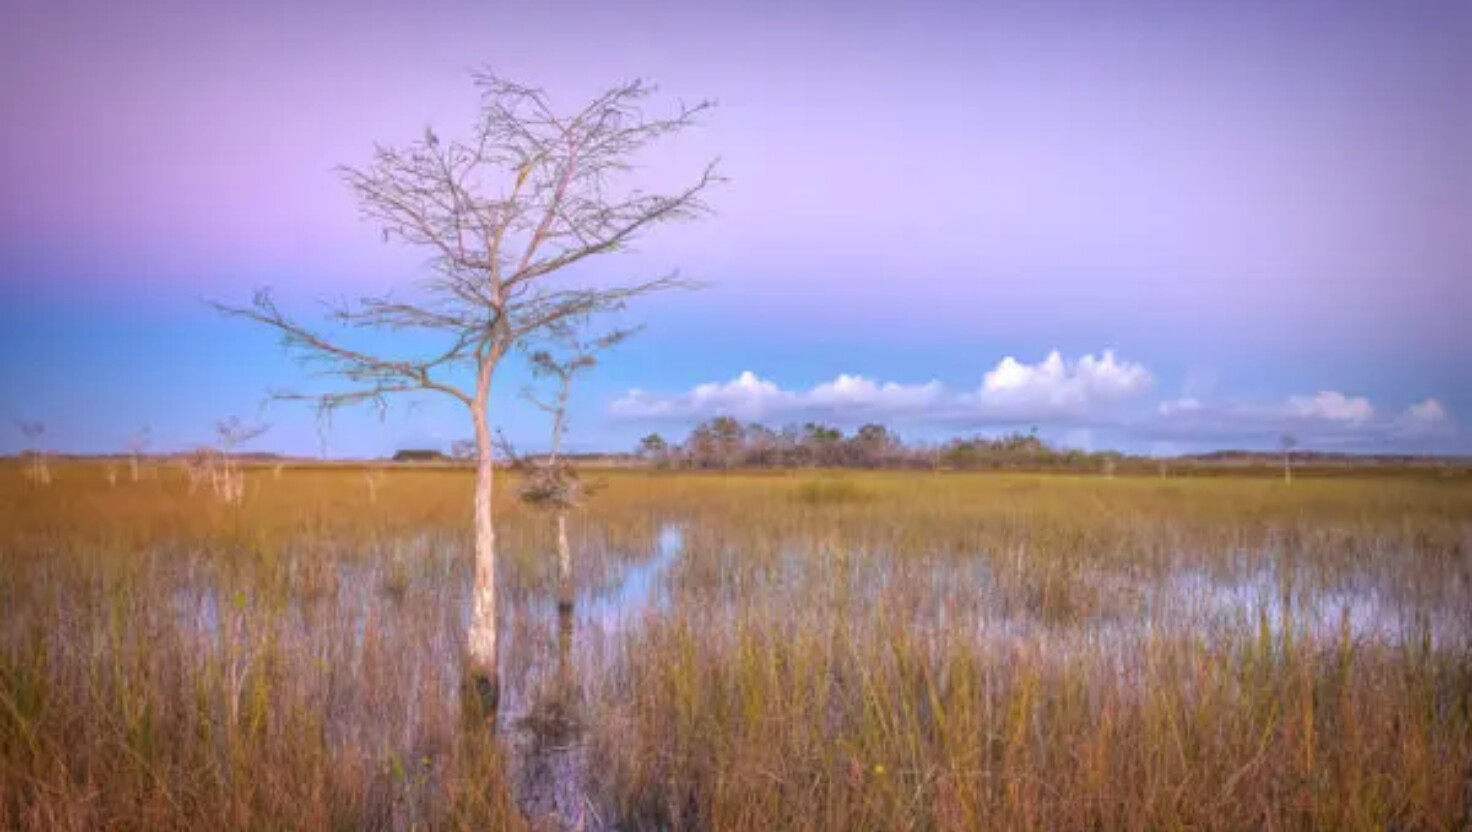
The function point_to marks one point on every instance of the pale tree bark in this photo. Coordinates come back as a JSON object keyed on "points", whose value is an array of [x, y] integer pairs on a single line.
{"points": [[566, 592], [492, 254], [481, 640]]}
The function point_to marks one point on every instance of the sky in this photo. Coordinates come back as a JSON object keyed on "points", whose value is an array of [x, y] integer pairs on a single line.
{"points": [[1147, 225]]}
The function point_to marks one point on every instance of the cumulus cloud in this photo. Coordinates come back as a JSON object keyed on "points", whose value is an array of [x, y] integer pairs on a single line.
{"points": [[1327, 418], [1053, 389], [1093, 400], [746, 396], [1425, 413], [1333, 406], [750, 397]]}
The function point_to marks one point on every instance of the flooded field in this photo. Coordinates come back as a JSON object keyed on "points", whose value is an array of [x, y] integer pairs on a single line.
{"points": [[905, 651]]}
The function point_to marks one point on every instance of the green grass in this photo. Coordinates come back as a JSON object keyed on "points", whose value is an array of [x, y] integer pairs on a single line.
{"points": [[835, 650]]}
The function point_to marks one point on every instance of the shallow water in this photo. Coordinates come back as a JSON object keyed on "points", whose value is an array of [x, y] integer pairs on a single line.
{"points": [[400, 615], [545, 699]]}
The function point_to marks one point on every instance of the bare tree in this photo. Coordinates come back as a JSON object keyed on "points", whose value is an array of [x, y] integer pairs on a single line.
{"points": [[1288, 442], [136, 443], [226, 477], [655, 450], [39, 470], [372, 478], [551, 482], [503, 216], [463, 450]]}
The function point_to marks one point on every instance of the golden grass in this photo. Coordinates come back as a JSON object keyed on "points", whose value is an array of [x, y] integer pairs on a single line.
{"points": [[834, 650]]}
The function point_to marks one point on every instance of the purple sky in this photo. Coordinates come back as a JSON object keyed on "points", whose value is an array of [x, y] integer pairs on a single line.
{"points": [[1263, 209]]}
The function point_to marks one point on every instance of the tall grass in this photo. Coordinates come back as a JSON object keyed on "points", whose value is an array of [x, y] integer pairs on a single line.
{"points": [[829, 651]]}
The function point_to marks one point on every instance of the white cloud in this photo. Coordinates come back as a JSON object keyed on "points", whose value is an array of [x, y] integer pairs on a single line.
{"points": [[1427, 413], [1336, 407], [858, 391], [1090, 399], [1327, 418], [1051, 390], [746, 396], [1183, 405], [750, 397], [1055, 387]]}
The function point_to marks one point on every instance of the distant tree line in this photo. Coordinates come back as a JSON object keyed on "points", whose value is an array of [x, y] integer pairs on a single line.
{"points": [[724, 443]]}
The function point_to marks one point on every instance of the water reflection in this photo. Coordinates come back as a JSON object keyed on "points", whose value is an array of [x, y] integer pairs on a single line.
{"points": [[397, 620], [547, 708]]}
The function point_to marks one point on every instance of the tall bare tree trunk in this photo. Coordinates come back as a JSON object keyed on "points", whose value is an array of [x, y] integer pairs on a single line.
{"points": [[565, 594], [482, 636]]}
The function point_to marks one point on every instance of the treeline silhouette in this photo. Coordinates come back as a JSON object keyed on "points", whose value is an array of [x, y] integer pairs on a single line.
{"points": [[724, 443]]}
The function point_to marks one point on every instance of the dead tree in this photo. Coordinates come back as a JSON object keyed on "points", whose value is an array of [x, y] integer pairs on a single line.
{"points": [[226, 477], [1288, 442], [136, 443], [39, 471], [551, 483], [372, 477], [503, 216]]}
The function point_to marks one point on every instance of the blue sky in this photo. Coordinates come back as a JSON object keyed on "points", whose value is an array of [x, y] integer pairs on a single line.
{"points": [[1228, 220]]}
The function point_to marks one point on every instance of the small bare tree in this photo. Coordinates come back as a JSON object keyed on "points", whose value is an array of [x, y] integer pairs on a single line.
{"points": [[503, 215], [136, 443], [197, 465], [39, 470], [1288, 442], [551, 482], [226, 477], [463, 450], [372, 478]]}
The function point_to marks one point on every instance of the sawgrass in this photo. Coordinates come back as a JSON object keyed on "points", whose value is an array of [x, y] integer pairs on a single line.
{"points": [[832, 650]]}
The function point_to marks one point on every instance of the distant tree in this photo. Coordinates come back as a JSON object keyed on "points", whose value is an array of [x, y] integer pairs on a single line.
{"points": [[503, 215], [655, 450], [730, 441], [136, 444], [226, 477], [372, 478], [824, 444], [792, 449], [1288, 442], [39, 470], [874, 445], [962, 453], [701, 446], [762, 445]]}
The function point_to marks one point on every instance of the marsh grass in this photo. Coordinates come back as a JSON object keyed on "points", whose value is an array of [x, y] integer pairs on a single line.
{"points": [[824, 651], [828, 491]]}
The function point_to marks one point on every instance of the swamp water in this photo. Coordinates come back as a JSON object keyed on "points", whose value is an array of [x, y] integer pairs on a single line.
{"points": [[399, 618]]}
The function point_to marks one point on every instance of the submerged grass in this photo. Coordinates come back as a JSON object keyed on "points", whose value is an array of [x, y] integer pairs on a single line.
{"points": [[828, 651]]}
